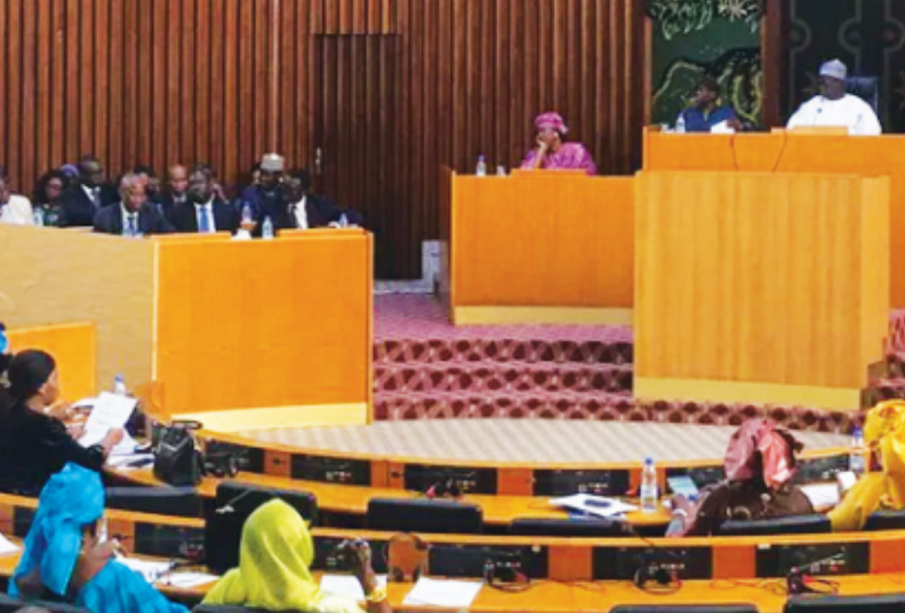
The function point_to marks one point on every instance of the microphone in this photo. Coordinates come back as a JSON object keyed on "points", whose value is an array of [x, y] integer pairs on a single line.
{"points": [[228, 507]]}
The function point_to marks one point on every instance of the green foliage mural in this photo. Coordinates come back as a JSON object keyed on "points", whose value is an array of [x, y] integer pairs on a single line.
{"points": [[697, 38]]}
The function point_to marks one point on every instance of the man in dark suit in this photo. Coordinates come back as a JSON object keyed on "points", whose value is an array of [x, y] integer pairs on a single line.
{"points": [[175, 193], [88, 195], [204, 212], [304, 210], [134, 216]]}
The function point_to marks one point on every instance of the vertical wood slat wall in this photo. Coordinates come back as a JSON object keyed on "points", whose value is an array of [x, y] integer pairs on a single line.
{"points": [[223, 81]]}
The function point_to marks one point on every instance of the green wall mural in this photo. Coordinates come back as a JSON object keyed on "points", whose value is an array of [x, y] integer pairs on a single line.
{"points": [[697, 38]]}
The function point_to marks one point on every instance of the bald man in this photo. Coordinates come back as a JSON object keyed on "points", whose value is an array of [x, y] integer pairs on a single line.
{"points": [[175, 192]]}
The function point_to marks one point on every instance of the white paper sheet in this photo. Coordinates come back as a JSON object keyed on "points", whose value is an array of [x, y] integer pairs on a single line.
{"points": [[7, 547], [822, 495], [110, 411], [448, 593], [122, 461], [149, 569], [187, 580], [599, 506], [347, 585]]}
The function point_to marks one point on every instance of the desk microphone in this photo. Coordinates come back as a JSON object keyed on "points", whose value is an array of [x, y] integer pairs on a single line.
{"points": [[228, 507]]}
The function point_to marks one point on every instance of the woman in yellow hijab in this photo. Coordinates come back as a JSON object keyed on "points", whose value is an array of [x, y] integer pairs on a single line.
{"points": [[884, 432], [275, 558]]}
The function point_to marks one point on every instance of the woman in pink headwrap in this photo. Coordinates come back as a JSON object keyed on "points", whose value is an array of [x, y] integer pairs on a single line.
{"points": [[553, 154]]}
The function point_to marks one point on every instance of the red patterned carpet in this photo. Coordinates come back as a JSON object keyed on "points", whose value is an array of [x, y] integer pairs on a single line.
{"points": [[427, 368]]}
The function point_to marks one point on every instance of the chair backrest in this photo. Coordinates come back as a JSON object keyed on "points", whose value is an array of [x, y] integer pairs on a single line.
{"points": [[569, 527], [885, 520], [886, 603], [232, 506], [426, 516], [686, 608], [179, 501], [866, 88], [794, 524]]}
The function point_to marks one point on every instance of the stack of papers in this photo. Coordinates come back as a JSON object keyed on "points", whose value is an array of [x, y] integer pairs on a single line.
{"points": [[150, 570], [110, 411], [187, 580], [822, 495], [447, 593], [598, 506], [347, 585], [7, 547]]}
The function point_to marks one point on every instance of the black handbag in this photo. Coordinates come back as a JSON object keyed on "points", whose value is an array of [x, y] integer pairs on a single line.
{"points": [[177, 459]]}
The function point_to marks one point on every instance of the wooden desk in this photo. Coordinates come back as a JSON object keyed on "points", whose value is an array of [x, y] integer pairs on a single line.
{"points": [[788, 152], [541, 247]]}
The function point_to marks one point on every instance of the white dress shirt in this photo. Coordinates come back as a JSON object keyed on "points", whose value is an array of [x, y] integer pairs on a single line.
{"points": [[206, 209], [17, 211], [300, 212], [94, 195], [126, 215], [847, 112]]}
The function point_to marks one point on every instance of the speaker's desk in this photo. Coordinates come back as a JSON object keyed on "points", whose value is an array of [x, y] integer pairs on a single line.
{"points": [[536, 247], [791, 152]]}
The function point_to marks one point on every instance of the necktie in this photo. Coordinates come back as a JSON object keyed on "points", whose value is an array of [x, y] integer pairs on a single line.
{"points": [[204, 225], [132, 225]]}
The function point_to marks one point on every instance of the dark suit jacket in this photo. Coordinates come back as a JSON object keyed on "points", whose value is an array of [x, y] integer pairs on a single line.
{"points": [[321, 212], [225, 217], [166, 204], [109, 220], [79, 208]]}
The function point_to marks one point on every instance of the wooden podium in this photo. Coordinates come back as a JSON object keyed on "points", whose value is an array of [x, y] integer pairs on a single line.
{"points": [[765, 288], [537, 247], [241, 334]]}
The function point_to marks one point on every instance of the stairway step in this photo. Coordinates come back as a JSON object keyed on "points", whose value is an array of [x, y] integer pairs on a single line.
{"points": [[490, 376], [502, 350]]}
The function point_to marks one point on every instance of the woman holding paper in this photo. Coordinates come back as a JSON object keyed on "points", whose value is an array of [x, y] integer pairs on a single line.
{"points": [[34, 443], [275, 558]]}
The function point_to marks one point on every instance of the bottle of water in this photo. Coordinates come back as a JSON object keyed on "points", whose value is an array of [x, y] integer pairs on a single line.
{"points": [[649, 499], [247, 216], [39, 216], [119, 386], [481, 170], [856, 462], [267, 228], [343, 221], [501, 171], [680, 124]]}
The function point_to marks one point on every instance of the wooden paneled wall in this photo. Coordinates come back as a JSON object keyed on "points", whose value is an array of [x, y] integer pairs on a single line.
{"points": [[223, 81]]}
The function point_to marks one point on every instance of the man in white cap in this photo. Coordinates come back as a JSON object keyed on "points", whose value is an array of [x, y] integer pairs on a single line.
{"points": [[833, 107]]}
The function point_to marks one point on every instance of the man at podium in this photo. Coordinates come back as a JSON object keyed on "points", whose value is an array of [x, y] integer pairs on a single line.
{"points": [[833, 107], [553, 154]]}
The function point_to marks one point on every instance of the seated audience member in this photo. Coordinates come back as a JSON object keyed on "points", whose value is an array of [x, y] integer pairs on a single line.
{"points": [[553, 154], [207, 212], [64, 560], [833, 107], [275, 558], [759, 464], [884, 433], [134, 215], [303, 210], [175, 193], [34, 443], [88, 195], [6, 355], [263, 197], [147, 176], [48, 198], [707, 109], [14, 209]]}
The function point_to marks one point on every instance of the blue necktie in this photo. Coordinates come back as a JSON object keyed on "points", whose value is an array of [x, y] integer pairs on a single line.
{"points": [[132, 229], [204, 224]]}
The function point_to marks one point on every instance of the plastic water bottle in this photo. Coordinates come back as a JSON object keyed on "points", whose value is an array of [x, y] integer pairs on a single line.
{"points": [[39, 216], [649, 500], [267, 228], [501, 171], [119, 386], [856, 462], [680, 124], [343, 221], [481, 170], [247, 217]]}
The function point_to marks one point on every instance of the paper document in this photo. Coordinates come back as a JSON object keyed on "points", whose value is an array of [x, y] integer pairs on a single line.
{"points": [[149, 569], [447, 593], [599, 506], [7, 547], [141, 460], [187, 580], [823, 496], [110, 411], [347, 585]]}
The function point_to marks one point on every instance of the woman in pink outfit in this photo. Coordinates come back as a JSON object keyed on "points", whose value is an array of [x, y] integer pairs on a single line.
{"points": [[553, 154]]}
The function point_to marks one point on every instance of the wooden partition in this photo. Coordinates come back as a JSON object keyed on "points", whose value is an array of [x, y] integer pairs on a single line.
{"points": [[539, 247], [760, 287], [73, 346], [794, 152]]}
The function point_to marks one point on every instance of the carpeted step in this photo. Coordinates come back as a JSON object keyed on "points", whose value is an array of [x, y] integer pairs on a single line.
{"points": [[459, 350], [490, 376]]}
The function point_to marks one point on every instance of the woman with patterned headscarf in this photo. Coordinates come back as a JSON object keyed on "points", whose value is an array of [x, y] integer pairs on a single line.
{"points": [[759, 465], [884, 432], [552, 153]]}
